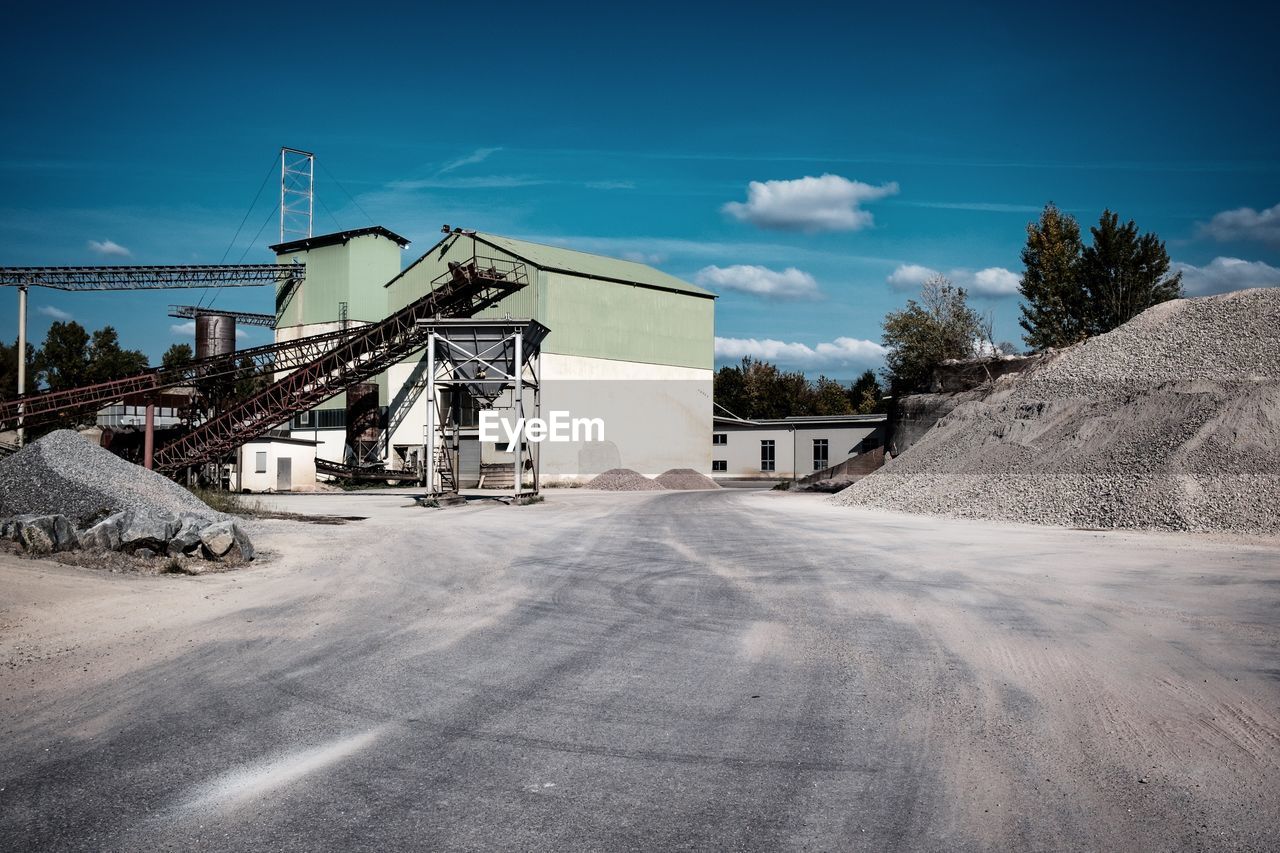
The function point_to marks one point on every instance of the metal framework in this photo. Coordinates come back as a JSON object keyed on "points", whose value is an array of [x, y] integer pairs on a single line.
{"points": [[257, 361], [357, 472], [152, 277], [486, 358], [297, 193], [243, 318], [366, 352]]}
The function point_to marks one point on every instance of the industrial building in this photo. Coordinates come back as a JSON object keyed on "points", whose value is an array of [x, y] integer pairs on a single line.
{"points": [[624, 343], [791, 448]]}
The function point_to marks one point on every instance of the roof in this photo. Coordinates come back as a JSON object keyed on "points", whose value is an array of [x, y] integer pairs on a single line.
{"points": [[336, 238], [588, 265], [802, 421]]}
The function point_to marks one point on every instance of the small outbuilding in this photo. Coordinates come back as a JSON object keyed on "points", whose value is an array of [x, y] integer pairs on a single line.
{"points": [[275, 463], [790, 448]]}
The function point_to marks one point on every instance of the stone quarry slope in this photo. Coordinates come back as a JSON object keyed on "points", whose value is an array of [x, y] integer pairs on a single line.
{"points": [[1171, 421]]}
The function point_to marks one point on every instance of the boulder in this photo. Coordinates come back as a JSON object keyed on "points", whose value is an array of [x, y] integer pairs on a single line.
{"points": [[224, 540], [105, 535], [45, 534], [147, 530], [187, 539]]}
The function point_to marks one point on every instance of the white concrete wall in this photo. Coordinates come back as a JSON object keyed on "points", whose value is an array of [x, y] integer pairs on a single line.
{"points": [[742, 452], [302, 461]]}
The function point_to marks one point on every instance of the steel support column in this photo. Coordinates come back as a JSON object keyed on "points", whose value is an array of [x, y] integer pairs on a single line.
{"points": [[149, 441], [22, 356]]}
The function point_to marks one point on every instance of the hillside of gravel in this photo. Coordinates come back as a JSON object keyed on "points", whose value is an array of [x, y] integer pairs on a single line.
{"points": [[623, 480], [1171, 421], [63, 474], [685, 479]]}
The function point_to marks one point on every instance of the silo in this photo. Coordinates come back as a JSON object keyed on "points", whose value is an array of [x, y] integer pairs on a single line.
{"points": [[215, 335], [364, 421]]}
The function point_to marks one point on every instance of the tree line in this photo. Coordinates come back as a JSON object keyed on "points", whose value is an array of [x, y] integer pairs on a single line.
{"points": [[758, 389]]}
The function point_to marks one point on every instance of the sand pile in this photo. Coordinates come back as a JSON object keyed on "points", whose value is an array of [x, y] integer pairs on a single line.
{"points": [[63, 474], [1171, 421], [685, 479], [623, 480]]}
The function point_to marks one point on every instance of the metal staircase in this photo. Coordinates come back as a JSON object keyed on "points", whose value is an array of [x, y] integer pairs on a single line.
{"points": [[444, 467], [366, 351]]}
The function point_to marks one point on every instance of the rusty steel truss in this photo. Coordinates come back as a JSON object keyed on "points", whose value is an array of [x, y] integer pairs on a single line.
{"points": [[39, 408], [242, 318], [368, 350]]}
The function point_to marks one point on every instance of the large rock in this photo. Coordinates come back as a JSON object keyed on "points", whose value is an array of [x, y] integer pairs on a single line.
{"points": [[187, 539], [224, 540], [105, 535], [147, 530], [45, 534]]}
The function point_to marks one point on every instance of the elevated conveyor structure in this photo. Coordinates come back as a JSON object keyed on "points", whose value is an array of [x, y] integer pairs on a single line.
{"points": [[464, 290]]}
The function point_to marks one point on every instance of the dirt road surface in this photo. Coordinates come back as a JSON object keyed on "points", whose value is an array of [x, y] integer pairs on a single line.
{"points": [[659, 671]]}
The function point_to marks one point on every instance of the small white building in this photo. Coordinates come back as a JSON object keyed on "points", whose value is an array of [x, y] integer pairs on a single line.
{"points": [[275, 463], [790, 448]]}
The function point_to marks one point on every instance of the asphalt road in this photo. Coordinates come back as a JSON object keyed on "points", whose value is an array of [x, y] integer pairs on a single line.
{"points": [[659, 671]]}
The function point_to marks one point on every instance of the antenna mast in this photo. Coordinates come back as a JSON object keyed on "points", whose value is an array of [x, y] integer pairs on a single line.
{"points": [[297, 193]]}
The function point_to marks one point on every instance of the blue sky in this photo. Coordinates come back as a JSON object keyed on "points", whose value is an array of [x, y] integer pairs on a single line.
{"points": [[809, 163]]}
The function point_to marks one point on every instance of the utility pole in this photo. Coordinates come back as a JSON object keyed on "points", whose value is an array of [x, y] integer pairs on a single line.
{"points": [[22, 354]]}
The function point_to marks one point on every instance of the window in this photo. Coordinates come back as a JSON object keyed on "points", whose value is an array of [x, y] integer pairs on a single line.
{"points": [[719, 465], [819, 454], [719, 438], [766, 454], [304, 419], [261, 467]]}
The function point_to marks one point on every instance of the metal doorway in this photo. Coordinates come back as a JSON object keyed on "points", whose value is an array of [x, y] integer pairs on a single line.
{"points": [[284, 475]]}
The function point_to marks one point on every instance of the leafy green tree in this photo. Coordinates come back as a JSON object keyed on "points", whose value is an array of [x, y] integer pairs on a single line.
{"points": [[1123, 273], [178, 355], [9, 369], [64, 358], [1054, 308], [830, 398], [865, 395], [925, 333], [107, 360]]}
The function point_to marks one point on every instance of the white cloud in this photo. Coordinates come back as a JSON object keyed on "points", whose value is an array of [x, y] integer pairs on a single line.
{"points": [[644, 257], [790, 283], [1224, 274], [992, 281], [1245, 223], [477, 156], [842, 352], [55, 313], [610, 185], [109, 248], [828, 203]]}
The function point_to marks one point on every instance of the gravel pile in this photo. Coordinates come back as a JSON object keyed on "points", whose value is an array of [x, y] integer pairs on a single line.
{"points": [[623, 480], [1171, 421], [63, 474], [685, 479]]}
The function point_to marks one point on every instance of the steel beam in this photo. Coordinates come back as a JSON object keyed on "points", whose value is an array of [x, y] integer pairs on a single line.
{"points": [[151, 277]]}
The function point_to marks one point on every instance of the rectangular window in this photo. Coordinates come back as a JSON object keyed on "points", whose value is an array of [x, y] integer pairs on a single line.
{"points": [[766, 454], [304, 419], [261, 466], [719, 438], [719, 465], [819, 454]]}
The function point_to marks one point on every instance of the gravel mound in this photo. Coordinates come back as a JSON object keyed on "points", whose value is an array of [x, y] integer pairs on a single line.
{"points": [[686, 479], [63, 474], [1171, 421], [623, 480]]}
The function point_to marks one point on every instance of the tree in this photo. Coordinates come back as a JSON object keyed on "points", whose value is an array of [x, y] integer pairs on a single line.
{"points": [[865, 394], [1123, 273], [178, 355], [108, 361], [64, 358], [9, 369], [830, 398], [926, 333], [1054, 309]]}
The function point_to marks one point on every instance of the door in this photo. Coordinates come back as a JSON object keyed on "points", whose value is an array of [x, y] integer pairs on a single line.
{"points": [[284, 475]]}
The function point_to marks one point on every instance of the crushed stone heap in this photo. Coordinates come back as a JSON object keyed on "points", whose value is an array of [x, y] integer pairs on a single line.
{"points": [[623, 480], [685, 478], [1171, 421]]}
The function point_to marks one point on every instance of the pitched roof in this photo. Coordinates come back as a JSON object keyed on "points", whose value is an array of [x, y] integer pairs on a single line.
{"points": [[587, 265]]}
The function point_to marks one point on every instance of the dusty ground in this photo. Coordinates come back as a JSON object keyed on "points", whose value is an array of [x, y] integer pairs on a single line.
{"points": [[698, 670]]}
